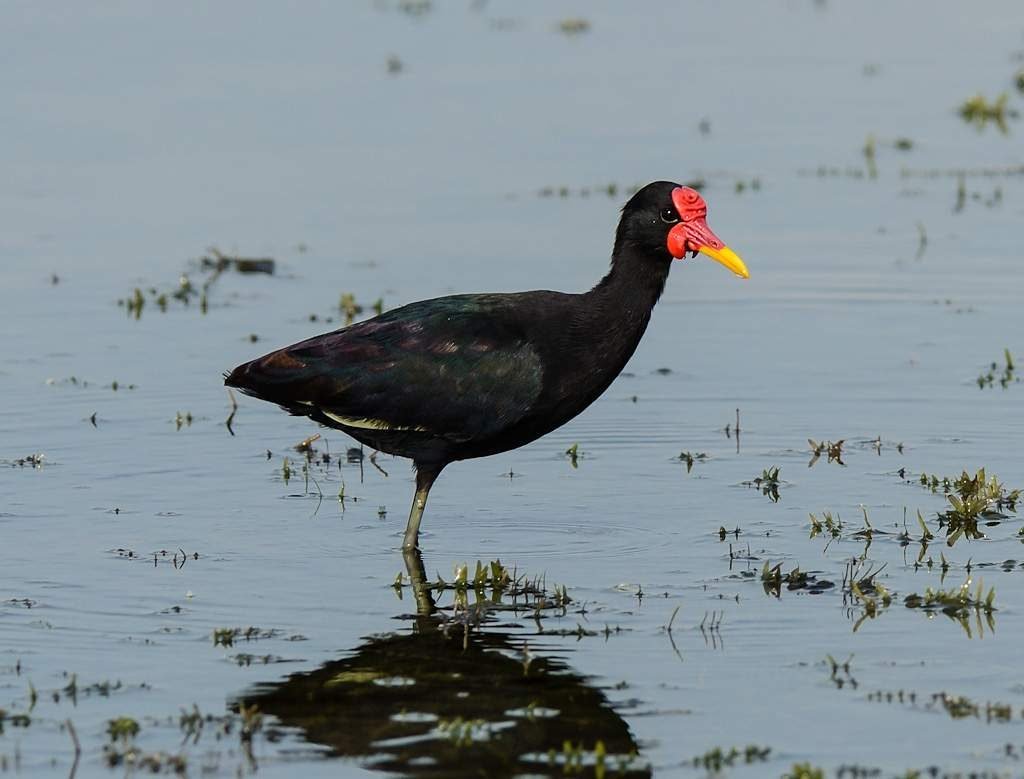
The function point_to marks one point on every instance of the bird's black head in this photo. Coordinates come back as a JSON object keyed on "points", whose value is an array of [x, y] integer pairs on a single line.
{"points": [[665, 220]]}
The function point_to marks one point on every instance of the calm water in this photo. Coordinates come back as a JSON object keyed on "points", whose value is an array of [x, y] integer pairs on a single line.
{"points": [[137, 136]]}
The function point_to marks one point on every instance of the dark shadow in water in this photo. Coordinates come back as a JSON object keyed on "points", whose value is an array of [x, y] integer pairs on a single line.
{"points": [[451, 703]]}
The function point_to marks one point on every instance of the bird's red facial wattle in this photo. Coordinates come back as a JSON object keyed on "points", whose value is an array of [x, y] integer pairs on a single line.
{"points": [[692, 234]]}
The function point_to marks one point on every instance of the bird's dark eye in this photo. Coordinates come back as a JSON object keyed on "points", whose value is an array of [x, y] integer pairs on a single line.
{"points": [[668, 216]]}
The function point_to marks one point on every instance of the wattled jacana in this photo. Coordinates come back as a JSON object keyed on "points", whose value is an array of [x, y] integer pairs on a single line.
{"points": [[472, 375]]}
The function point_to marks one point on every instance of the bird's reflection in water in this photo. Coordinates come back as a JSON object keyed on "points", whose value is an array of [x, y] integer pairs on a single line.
{"points": [[444, 700]]}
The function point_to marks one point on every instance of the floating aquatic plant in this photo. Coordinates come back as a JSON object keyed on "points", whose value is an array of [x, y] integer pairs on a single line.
{"points": [[714, 760], [962, 707], [975, 498], [1005, 375], [741, 186], [122, 729], [146, 762], [827, 524], [772, 579], [927, 536], [768, 482], [839, 673], [219, 262], [463, 732], [415, 7], [348, 306], [574, 453], [956, 706], [576, 760], [522, 591], [34, 460], [1000, 171], [959, 604], [574, 26], [804, 771], [74, 381], [834, 451], [979, 111], [690, 458], [954, 600], [869, 157], [611, 189], [862, 590], [228, 636], [972, 499], [185, 291]]}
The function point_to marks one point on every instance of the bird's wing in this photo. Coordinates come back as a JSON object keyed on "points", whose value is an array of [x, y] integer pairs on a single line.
{"points": [[455, 367]]}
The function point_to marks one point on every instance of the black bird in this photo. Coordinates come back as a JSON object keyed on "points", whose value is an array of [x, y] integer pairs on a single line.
{"points": [[473, 375]]}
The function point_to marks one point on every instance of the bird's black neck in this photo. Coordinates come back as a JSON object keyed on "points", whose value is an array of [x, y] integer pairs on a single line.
{"points": [[627, 294], [611, 319]]}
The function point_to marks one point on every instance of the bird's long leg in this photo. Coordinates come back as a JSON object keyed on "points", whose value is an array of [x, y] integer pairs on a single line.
{"points": [[425, 475], [418, 579]]}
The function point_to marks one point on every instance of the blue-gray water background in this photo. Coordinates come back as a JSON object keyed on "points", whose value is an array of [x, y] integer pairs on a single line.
{"points": [[137, 135]]}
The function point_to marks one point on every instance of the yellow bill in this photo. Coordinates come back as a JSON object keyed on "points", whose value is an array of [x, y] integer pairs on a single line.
{"points": [[728, 258]]}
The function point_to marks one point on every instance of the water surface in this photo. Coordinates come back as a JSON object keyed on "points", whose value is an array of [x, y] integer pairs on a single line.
{"points": [[138, 136]]}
